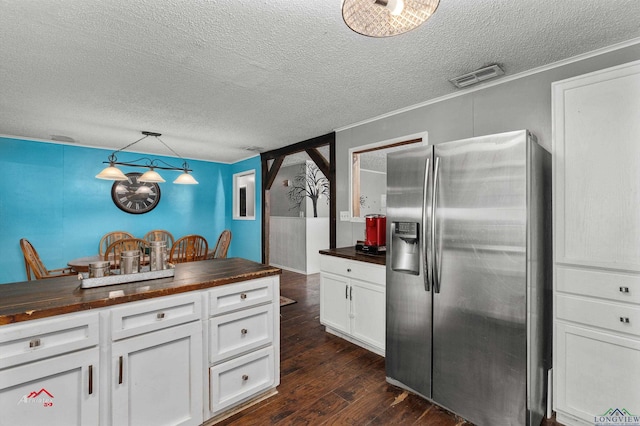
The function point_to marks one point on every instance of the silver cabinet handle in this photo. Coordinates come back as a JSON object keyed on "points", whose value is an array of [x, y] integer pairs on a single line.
{"points": [[624, 320], [244, 331], [348, 269], [120, 368], [243, 296], [245, 377], [624, 289], [34, 343], [350, 293], [90, 379], [160, 315], [346, 291]]}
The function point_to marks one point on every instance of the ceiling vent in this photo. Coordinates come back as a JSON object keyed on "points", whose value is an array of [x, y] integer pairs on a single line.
{"points": [[477, 76], [253, 148]]}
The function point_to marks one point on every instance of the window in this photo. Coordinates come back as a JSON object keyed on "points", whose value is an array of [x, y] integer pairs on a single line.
{"points": [[244, 195]]}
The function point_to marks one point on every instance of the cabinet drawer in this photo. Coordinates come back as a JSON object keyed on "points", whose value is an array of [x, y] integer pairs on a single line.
{"points": [[596, 313], [33, 340], [363, 271], [617, 286], [242, 295], [241, 378], [240, 332], [143, 317]]}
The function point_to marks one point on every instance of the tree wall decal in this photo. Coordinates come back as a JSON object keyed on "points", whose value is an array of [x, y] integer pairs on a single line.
{"points": [[309, 183]]}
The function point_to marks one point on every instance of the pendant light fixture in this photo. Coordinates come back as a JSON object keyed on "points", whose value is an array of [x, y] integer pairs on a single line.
{"points": [[113, 173], [386, 18]]}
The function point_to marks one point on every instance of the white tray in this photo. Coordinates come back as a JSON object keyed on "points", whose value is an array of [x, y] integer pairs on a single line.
{"points": [[117, 278]]}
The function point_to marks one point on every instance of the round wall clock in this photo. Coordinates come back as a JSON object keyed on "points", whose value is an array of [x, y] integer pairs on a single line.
{"points": [[135, 197]]}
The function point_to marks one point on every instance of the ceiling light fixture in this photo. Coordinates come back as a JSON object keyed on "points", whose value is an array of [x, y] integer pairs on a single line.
{"points": [[114, 173], [386, 18]]}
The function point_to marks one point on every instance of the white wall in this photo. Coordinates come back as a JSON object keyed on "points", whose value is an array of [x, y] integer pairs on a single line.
{"points": [[524, 103]]}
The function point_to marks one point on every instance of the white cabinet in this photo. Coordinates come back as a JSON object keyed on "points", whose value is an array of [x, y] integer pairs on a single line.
{"points": [[596, 194], [352, 301], [243, 336], [49, 371], [156, 362]]}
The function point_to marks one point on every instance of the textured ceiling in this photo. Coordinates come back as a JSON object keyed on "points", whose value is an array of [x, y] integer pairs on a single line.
{"points": [[215, 77]]}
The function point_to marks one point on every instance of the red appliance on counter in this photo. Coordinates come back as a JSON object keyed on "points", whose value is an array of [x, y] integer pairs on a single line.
{"points": [[375, 233]]}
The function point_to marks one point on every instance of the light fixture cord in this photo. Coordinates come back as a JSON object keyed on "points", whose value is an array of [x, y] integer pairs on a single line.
{"points": [[132, 143], [185, 165]]}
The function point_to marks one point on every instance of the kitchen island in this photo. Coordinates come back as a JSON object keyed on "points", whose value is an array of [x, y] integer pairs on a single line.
{"points": [[140, 353]]}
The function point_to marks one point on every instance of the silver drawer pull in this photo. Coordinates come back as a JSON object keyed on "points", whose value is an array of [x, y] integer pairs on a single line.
{"points": [[624, 289], [348, 269], [243, 296], [244, 331], [624, 320], [34, 343], [160, 315], [245, 377]]}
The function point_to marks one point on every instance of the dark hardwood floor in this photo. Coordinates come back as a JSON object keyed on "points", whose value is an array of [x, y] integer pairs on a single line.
{"points": [[325, 380]]}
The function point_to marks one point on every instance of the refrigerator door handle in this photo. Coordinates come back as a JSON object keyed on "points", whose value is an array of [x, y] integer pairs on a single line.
{"points": [[434, 207], [426, 252]]}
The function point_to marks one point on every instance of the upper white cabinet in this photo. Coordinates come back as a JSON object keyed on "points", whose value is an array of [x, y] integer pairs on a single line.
{"points": [[596, 154], [597, 169]]}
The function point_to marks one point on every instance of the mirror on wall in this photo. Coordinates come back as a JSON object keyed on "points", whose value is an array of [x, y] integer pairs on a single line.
{"points": [[369, 175], [244, 195]]}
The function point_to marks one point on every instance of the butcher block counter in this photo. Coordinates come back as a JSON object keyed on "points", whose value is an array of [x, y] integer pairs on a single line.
{"points": [[189, 349], [30, 300], [352, 254]]}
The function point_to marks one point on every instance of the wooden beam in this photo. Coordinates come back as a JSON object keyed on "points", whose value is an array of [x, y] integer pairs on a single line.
{"points": [[300, 146], [272, 172], [320, 161]]}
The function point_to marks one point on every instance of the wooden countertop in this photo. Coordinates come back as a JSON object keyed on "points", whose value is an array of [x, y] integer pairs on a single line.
{"points": [[29, 300], [351, 253]]}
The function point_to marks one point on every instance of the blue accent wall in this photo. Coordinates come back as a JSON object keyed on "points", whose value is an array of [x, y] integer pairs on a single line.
{"points": [[49, 195], [246, 238]]}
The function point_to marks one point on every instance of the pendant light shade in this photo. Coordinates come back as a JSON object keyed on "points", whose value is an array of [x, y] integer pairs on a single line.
{"points": [[185, 179], [151, 176], [386, 18], [111, 173]]}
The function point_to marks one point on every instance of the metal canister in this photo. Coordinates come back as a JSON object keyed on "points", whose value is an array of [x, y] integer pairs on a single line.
{"points": [[158, 255], [130, 262], [99, 269]]}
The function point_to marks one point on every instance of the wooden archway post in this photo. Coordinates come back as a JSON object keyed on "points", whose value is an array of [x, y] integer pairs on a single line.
{"points": [[326, 166]]}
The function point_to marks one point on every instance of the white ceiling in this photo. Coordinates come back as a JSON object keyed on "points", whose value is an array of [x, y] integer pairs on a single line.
{"points": [[215, 77]]}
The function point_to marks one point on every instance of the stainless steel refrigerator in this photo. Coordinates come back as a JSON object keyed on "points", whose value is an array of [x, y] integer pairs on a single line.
{"points": [[468, 287]]}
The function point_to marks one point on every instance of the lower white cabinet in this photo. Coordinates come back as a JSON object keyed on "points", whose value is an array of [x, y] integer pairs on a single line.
{"points": [[60, 390], [244, 331], [146, 362], [353, 301], [49, 371], [156, 362]]}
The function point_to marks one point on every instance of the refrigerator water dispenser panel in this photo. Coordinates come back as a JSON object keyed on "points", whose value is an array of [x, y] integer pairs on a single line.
{"points": [[405, 248]]}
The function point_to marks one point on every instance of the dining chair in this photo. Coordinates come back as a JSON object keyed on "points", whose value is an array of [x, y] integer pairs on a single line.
{"points": [[112, 253], [34, 265], [109, 238], [222, 246], [189, 249], [159, 235]]}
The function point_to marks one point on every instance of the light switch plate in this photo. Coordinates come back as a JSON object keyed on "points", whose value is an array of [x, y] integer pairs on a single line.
{"points": [[344, 216]]}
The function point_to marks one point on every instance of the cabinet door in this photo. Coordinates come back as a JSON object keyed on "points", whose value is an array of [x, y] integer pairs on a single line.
{"points": [[368, 313], [157, 377], [595, 372], [596, 169], [334, 301], [61, 390]]}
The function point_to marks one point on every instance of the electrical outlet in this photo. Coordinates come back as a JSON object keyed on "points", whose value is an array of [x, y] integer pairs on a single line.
{"points": [[344, 216]]}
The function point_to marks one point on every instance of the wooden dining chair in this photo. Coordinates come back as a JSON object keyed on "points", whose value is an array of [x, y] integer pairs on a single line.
{"points": [[222, 246], [159, 235], [109, 238], [112, 252], [34, 265], [189, 249]]}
